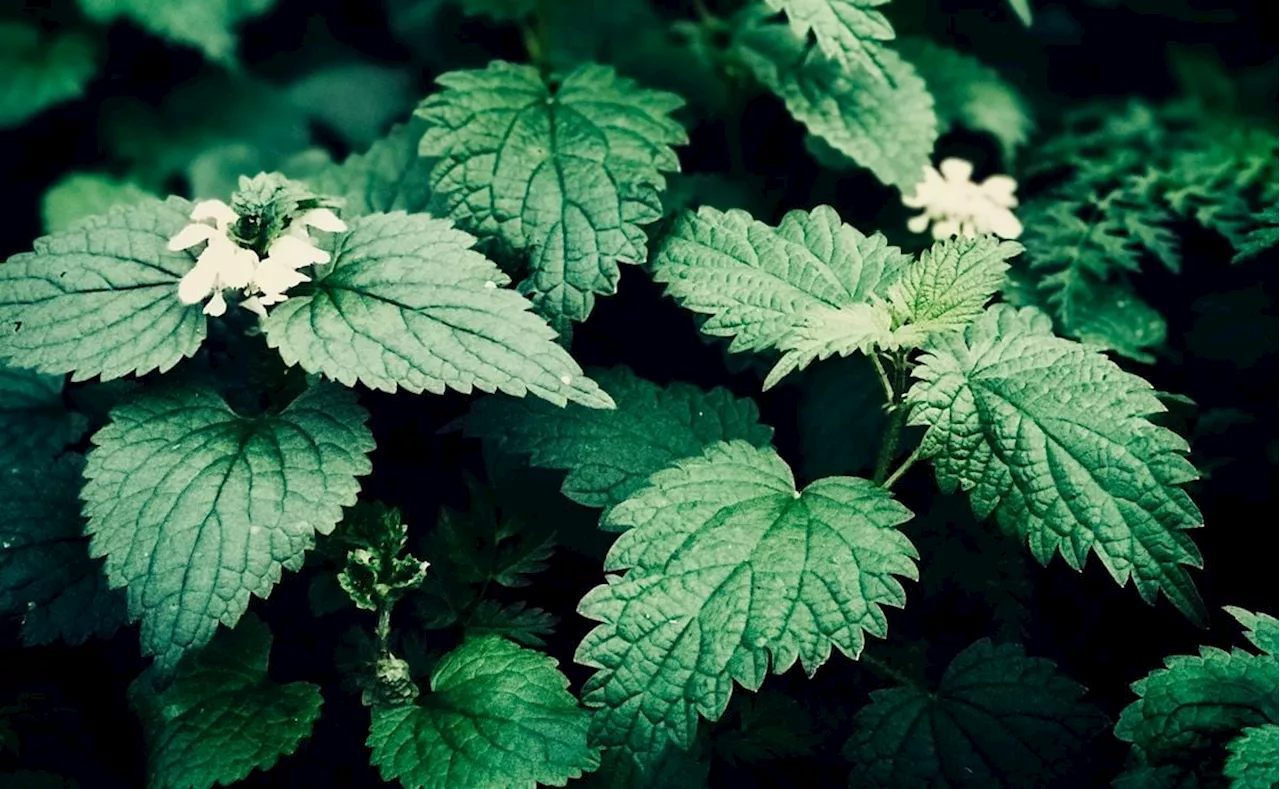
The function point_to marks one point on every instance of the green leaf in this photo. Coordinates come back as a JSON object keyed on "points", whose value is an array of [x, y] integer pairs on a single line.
{"points": [[101, 298], [968, 93], [390, 176], [34, 421], [41, 70], [196, 508], [757, 282], [378, 570], [497, 715], [1053, 438], [222, 717], [568, 174], [997, 718], [207, 25], [356, 99], [1261, 239], [848, 31], [522, 625], [1023, 9], [610, 454], [730, 570], [79, 195], [674, 769], [46, 575], [887, 126], [1262, 630], [1184, 708], [408, 304], [1254, 760]]}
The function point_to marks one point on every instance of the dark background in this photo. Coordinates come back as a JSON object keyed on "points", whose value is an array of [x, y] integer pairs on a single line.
{"points": [[1221, 354]]}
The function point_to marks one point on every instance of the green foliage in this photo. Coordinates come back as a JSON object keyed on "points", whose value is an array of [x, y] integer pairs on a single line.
{"points": [[98, 299], [610, 454], [34, 421], [1053, 440], [497, 715], [1254, 761], [46, 575], [41, 70], [407, 304], [376, 573], [568, 173], [729, 571], [970, 94], [208, 25], [179, 481], [848, 31], [1187, 711], [81, 195], [997, 718], [221, 717], [884, 124], [389, 176]]}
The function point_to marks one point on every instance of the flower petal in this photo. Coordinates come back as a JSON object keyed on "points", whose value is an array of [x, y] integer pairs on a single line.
{"points": [[999, 189], [1003, 223], [273, 278], [946, 228], [216, 210], [191, 235], [956, 170], [918, 224], [322, 219], [217, 305], [295, 253], [198, 283], [254, 304], [238, 266]]}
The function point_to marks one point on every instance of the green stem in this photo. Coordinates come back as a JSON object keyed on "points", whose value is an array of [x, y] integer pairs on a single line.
{"points": [[884, 378], [889, 444], [893, 478], [383, 632]]}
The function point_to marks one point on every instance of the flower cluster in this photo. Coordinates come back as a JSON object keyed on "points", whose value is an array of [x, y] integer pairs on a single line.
{"points": [[225, 265], [954, 204]]}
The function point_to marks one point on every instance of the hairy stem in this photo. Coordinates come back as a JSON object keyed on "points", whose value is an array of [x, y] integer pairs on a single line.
{"points": [[383, 632], [889, 443], [893, 478]]}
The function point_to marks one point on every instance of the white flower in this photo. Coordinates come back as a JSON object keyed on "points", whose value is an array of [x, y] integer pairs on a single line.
{"points": [[223, 264], [955, 204]]}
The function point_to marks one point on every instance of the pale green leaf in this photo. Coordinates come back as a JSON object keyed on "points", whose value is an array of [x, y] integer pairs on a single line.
{"points": [[197, 508], [887, 126], [40, 70], [389, 176], [997, 718], [222, 717], [409, 305], [102, 297], [1023, 9], [730, 571], [848, 31], [568, 173], [79, 195], [1254, 758], [208, 25], [46, 575], [1262, 630], [950, 284], [34, 421], [497, 715], [757, 282], [610, 454], [968, 93], [823, 332], [1053, 438]]}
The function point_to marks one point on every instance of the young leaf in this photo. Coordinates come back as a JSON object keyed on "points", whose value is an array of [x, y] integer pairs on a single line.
{"points": [[885, 124], [205, 25], [729, 570], [969, 93], [610, 454], [997, 718], [1254, 758], [758, 282], [497, 715], [408, 304], [1023, 9], [849, 31], [567, 173], [80, 194], [390, 176], [196, 507], [34, 421], [1262, 630], [222, 717], [40, 71], [102, 297], [1053, 438], [46, 575], [525, 626]]}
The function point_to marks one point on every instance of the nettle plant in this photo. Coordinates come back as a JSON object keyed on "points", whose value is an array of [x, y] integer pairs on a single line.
{"points": [[220, 350]]}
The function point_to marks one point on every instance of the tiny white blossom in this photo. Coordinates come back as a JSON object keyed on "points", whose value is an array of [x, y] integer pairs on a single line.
{"points": [[954, 204], [223, 264]]}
